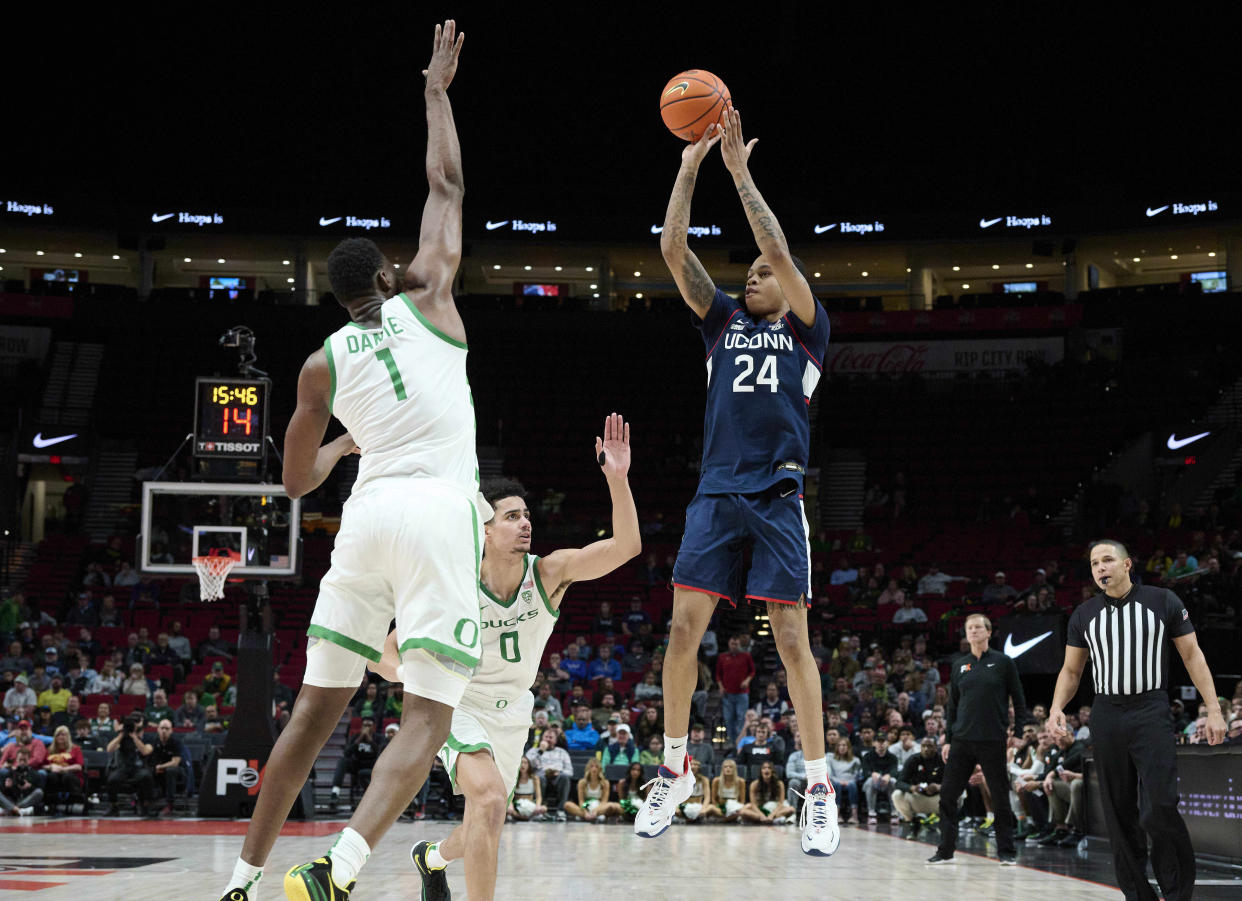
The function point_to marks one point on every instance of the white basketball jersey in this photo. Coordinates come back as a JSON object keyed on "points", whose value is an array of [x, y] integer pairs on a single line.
{"points": [[401, 390], [515, 632]]}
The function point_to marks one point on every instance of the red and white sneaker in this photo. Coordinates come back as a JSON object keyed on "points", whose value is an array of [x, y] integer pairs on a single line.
{"points": [[668, 792], [820, 833]]}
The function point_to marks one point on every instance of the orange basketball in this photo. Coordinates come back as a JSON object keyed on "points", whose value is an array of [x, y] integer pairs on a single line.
{"points": [[691, 101]]}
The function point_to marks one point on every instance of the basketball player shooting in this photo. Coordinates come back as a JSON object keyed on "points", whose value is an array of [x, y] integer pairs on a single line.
{"points": [[519, 598], [408, 546], [764, 359]]}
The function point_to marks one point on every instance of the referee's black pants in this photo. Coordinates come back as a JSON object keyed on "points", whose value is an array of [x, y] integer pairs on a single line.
{"points": [[963, 755], [1133, 742]]}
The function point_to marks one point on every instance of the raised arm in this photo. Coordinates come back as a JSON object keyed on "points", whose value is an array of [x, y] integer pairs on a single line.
{"points": [[695, 285], [430, 275], [306, 463], [768, 234], [557, 570]]}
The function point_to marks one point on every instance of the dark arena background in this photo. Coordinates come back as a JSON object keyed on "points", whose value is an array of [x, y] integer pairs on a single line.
{"points": [[1025, 226]]}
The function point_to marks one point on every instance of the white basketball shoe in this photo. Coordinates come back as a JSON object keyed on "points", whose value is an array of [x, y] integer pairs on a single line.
{"points": [[668, 791], [820, 833]]}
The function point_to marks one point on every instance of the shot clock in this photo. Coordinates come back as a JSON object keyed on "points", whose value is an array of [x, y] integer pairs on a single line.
{"points": [[230, 418]]}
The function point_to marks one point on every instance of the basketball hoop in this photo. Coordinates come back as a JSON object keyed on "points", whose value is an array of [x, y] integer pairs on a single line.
{"points": [[212, 572]]}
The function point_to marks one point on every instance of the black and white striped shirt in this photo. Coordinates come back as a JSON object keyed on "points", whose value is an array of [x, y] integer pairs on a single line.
{"points": [[1127, 638]]}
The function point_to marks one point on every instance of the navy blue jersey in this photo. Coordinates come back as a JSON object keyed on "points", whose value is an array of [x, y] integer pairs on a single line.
{"points": [[760, 378]]}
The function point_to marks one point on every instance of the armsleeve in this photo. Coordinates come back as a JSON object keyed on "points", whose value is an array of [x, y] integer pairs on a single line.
{"points": [[1176, 616], [723, 306], [1075, 636]]}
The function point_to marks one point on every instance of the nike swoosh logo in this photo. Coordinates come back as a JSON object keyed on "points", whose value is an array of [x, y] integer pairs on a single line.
{"points": [[682, 86], [1157, 211], [40, 441], [820, 229], [157, 218], [1175, 442], [492, 226], [323, 220], [988, 223], [656, 229], [1017, 650]]}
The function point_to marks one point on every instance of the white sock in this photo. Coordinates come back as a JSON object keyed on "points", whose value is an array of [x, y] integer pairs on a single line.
{"points": [[347, 856], [435, 861], [817, 773], [245, 877], [675, 753]]}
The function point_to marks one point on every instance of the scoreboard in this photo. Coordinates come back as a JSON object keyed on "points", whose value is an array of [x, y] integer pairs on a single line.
{"points": [[230, 418]]}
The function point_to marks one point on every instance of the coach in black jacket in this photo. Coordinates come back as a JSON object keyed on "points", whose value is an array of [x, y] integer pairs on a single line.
{"points": [[981, 684]]}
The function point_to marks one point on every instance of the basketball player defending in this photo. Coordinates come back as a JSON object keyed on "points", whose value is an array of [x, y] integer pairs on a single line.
{"points": [[764, 359], [519, 601], [408, 547]]}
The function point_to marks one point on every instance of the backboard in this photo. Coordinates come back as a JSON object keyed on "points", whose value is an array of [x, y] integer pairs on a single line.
{"points": [[181, 520]]}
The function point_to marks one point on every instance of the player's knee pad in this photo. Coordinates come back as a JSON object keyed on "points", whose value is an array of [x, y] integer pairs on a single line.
{"points": [[328, 665]]}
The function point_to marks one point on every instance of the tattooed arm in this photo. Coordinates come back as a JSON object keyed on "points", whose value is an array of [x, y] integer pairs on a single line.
{"points": [[768, 234], [696, 286]]}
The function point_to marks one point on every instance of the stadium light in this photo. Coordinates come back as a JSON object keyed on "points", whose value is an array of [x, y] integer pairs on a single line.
{"points": [[78, 255], [957, 268], [558, 268], [1030, 265], [284, 262], [637, 274], [1137, 260], [865, 273], [527, 268], [817, 275], [496, 266], [1173, 256], [593, 287], [116, 256], [186, 260], [220, 260], [965, 287], [38, 253], [639, 295], [590, 268], [995, 265], [1212, 253]]}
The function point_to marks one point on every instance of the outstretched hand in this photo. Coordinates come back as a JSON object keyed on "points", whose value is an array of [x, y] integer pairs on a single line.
{"points": [[613, 450], [444, 51], [694, 153], [733, 148]]}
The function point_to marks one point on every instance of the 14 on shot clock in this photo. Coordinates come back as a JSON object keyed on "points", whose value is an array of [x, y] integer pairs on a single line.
{"points": [[230, 418]]}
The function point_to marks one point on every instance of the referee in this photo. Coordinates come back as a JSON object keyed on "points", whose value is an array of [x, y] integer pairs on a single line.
{"points": [[1124, 630], [981, 684]]}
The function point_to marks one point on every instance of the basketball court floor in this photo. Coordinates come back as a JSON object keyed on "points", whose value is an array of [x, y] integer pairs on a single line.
{"points": [[143, 860]]}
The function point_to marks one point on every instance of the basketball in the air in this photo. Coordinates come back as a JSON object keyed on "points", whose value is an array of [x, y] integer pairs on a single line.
{"points": [[691, 101]]}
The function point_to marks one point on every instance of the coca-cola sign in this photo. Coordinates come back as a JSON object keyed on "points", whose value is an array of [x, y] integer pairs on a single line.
{"points": [[903, 357], [877, 358]]}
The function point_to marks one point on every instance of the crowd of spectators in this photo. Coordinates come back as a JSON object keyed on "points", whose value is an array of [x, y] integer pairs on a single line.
{"points": [[598, 697], [80, 721]]}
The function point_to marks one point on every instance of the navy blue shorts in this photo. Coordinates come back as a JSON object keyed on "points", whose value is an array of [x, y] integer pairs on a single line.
{"points": [[718, 529]]}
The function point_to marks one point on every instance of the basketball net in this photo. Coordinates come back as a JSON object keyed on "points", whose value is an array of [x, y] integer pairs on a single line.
{"points": [[212, 573]]}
